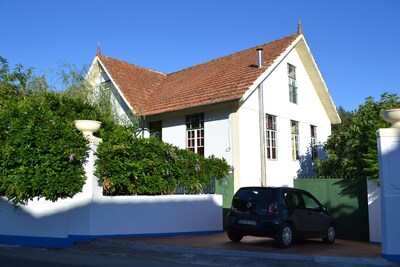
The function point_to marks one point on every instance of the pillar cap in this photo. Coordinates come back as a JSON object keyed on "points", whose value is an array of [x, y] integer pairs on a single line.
{"points": [[388, 132]]}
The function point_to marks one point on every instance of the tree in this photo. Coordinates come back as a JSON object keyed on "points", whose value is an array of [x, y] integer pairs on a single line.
{"points": [[352, 148], [12, 83]]}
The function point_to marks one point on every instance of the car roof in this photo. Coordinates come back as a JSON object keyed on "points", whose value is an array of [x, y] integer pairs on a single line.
{"points": [[279, 188]]}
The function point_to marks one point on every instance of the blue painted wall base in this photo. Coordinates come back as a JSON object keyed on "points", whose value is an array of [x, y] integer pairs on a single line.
{"points": [[52, 242], [391, 257]]}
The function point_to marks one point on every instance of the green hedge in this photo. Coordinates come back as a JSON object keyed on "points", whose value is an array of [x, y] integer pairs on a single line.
{"points": [[127, 165], [41, 152]]}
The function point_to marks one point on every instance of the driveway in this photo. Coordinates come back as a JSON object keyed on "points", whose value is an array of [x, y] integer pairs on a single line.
{"points": [[311, 247]]}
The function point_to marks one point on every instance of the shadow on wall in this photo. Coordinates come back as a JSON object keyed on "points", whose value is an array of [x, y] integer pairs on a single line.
{"points": [[306, 162], [352, 214], [60, 224], [346, 200]]}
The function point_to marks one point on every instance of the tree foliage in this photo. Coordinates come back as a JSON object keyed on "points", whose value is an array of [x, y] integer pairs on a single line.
{"points": [[352, 147]]}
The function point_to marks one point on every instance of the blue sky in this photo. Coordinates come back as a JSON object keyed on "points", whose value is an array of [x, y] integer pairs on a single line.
{"points": [[356, 43]]}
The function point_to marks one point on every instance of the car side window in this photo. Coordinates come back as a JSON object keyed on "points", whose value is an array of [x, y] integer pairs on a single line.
{"points": [[291, 200], [310, 202]]}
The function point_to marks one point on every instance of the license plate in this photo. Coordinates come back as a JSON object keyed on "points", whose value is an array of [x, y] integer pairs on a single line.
{"points": [[247, 222]]}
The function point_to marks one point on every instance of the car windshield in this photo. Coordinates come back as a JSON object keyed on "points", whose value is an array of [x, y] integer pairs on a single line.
{"points": [[253, 200]]}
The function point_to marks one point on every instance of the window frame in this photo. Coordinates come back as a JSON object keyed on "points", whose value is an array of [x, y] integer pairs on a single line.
{"points": [[155, 128], [295, 139], [195, 133], [293, 94], [314, 147], [271, 134]]}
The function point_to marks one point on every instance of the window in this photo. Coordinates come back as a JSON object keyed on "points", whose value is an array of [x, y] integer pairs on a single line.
{"points": [[310, 203], [292, 84], [295, 139], [292, 200], [314, 148], [155, 128], [271, 136], [195, 133]]}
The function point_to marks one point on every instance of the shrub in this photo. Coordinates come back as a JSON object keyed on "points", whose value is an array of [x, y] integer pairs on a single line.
{"points": [[41, 152], [146, 166]]}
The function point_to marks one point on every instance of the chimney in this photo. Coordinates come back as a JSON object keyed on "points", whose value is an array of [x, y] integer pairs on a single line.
{"points": [[259, 51]]}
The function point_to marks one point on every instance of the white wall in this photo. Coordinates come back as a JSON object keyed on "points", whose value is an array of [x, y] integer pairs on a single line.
{"points": [[374, 211], [59, 224], [218, 136], [217, 131], [96, 77], [308, 111], [249, 143], [174, 131], [89, 214]]}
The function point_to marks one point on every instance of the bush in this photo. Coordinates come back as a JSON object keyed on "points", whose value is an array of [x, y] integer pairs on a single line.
{"points": [[146, 166], [41, 152]]}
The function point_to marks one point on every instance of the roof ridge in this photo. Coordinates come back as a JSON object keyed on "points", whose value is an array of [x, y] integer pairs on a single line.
{"points": [[132, 64], [237, 52]]}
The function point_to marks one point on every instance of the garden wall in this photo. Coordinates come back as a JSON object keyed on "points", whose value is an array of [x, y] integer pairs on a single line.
{"points": [[47, 224], [89, 214]]}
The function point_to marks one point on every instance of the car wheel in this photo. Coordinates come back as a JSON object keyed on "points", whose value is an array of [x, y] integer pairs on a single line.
{"points": [[285, 236], [235, 237], [330, 235]]}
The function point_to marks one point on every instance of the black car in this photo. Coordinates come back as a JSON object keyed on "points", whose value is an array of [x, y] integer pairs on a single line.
{"points": [[282, 213]]}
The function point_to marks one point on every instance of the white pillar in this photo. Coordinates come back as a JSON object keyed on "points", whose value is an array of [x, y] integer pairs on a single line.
{"points": [[389, 172], [91, 187]]}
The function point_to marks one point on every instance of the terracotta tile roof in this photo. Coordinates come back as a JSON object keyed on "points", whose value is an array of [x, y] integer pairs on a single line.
{"points": [[136, 83], [223, 79]]}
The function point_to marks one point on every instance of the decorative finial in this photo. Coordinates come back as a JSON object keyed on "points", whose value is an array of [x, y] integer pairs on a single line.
{"points": [[98, 49], [299, 29]]}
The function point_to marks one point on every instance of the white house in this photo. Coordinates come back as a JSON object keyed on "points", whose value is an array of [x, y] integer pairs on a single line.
{"points": [[266, 109]]}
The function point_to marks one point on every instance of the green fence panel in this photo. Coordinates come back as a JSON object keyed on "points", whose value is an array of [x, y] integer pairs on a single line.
{"points": [[225, 188], [346, 200]]}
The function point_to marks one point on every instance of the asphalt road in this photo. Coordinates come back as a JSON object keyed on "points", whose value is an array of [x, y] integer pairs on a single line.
{"points": [[105, 253]]}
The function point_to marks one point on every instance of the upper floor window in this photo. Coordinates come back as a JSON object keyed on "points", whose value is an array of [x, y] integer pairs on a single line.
{"points": [[155, 128], [314, 148], [271, 136], [292, 83], [195, 133], [295, 139]]}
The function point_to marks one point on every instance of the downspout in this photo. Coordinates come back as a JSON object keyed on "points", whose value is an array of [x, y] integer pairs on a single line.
{"points": [[261, 122]]}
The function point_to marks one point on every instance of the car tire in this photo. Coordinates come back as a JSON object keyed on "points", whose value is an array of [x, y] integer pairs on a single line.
{"points": [[285, 236], [330, 235], [235, 237]]}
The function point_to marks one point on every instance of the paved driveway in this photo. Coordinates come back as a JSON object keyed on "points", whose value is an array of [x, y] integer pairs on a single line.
{"points": [[312, 247]]}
